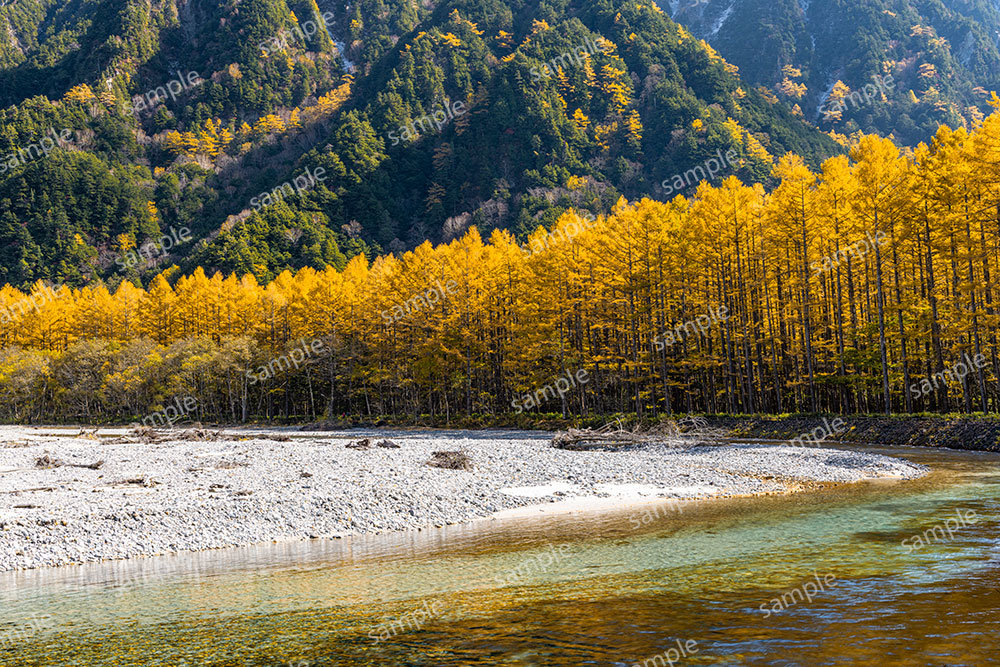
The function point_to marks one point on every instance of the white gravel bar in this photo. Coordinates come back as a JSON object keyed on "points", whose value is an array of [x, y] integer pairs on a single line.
{"points": [[148, 499]]}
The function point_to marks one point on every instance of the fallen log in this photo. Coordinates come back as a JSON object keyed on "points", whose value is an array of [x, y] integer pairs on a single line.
{"points": [[47, 462], [40, 488]]}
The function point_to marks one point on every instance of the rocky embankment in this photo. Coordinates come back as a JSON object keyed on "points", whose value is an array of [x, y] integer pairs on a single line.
{"points": [[969, 433]]}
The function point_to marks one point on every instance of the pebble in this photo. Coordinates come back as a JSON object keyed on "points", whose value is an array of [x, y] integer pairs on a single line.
{"points": [[250, 491]]}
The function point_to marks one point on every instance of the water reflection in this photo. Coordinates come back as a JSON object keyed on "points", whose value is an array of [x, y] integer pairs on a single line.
{"points": [[617, 597]]}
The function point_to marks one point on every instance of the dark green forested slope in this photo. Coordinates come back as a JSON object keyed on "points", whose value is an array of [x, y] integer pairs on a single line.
{"points": [[941, 58], [277, 91]]}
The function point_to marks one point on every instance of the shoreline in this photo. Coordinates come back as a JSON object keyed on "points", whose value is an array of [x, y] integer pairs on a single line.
{"points": [[961, 432], [972, 432], [71, 498]]}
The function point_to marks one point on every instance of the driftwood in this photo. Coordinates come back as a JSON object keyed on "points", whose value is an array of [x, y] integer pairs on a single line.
{"points": [[47, 462], [146, 482], [687, 432], [147, 435], [231, 465], [366, 443], [451, 460]]}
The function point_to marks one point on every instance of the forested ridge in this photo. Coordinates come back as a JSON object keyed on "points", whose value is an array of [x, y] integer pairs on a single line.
{"points": [[272, 102], [846, 289], [941, 58]]}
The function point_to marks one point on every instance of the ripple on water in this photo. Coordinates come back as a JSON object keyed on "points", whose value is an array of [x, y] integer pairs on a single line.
{"points": [[619, 597]]}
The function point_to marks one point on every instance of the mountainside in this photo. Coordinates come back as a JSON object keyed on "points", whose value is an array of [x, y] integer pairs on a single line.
{"points": [[925, 62], [274, 134]]}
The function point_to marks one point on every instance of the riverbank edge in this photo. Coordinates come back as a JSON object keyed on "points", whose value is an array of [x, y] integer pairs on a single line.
{"points": [[248, 489], [964, 432]]}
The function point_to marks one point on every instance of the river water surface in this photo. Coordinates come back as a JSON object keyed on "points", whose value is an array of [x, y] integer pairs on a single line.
{"points": [[566, 590]]}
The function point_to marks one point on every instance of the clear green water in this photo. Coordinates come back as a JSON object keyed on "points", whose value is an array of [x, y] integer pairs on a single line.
{"points": [[614, 595]]}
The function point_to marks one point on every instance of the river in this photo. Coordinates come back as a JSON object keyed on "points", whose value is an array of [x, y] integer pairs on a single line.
{"points": [[724, 582]]}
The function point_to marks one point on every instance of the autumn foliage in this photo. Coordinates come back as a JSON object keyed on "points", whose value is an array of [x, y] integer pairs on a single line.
{"points": [[810, 327]]}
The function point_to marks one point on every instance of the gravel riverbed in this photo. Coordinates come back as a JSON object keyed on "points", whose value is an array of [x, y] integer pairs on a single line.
{"points": [[259, 486]]}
